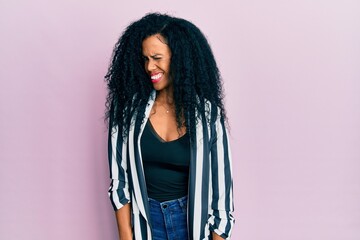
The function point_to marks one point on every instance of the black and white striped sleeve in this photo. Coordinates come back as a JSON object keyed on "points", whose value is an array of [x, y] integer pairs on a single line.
{"points": [[119, 186], [221, 220]]}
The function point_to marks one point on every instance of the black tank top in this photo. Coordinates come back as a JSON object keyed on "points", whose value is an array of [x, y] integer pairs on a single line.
{"points": [[166, 165]]}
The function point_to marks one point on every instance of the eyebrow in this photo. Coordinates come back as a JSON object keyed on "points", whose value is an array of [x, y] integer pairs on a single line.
{"points": [[157, 54]]}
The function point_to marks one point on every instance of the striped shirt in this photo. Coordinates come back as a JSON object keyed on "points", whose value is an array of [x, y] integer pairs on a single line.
{"points": [[210, 194]]}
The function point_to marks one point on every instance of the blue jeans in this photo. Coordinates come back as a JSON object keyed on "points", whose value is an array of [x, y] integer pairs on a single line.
{"points": [[168, 219]]}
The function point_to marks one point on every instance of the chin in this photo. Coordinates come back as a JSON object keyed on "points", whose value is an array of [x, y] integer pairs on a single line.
{"points": [[160, 86]]}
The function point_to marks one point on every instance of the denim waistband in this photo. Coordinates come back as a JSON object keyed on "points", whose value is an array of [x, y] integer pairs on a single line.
{"points": [[182, 201]]}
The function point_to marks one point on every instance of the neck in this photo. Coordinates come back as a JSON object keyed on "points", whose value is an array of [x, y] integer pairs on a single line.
{"points": [[165, 96]]}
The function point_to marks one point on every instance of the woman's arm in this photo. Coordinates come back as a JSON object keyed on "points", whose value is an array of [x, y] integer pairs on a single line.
{"points": [[123, 218], [119, 188], [221, 220], [216, 237]]}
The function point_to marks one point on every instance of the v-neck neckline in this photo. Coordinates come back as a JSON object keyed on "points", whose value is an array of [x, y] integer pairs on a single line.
{"points": [[153, 131]]}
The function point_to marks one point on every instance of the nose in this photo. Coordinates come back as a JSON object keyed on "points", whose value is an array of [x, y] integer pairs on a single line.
{"points": [[150, 65]]}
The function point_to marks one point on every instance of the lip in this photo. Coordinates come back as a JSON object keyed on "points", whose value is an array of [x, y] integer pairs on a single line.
{"points": [[158, 79]]}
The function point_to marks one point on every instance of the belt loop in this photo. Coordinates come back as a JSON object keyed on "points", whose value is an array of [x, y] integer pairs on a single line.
{"points": [[182, 201]]}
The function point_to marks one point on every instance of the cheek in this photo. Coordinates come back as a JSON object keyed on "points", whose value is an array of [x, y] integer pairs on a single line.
{"points": [[167, 67]]}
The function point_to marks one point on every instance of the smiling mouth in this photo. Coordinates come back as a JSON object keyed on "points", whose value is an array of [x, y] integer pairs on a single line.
{"points": [[156, 78]]}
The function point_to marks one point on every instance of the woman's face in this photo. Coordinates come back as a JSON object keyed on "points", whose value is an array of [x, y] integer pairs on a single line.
{"points": [[157, 57]]}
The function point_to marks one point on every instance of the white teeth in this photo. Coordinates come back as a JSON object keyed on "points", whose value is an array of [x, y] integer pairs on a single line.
{"points": [[157, 76]]}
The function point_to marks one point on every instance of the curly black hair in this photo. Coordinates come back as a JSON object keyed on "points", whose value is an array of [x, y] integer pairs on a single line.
{"points": [[196, 77]]}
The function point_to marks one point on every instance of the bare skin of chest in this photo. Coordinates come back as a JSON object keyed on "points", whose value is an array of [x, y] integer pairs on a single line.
{"points": [[163, 121]]}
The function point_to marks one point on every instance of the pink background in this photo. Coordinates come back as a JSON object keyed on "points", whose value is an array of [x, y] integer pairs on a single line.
{"points": [[292, 80]]}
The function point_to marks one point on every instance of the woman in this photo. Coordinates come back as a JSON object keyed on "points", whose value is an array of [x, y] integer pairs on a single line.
{"points": [[169, 156]]}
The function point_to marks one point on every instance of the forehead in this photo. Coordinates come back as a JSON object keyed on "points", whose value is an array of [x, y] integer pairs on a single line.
{"points": [[155, 44]]}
